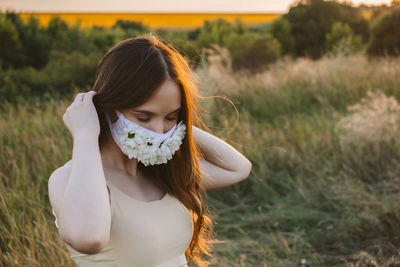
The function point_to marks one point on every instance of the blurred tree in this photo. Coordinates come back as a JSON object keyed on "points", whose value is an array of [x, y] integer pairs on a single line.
{"points": [[11, 50], [281, 30], [66, 38], [217, 32], [56, 26], [131, 28], [311, 21], [193, 34], [239, 27], [57, 30], [36, 43], [385, 31], [33, 40], [182, 43], [130, 25], [214, 32], [104, 38]]}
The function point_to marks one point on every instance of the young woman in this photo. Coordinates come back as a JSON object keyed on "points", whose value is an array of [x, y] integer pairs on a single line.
{"points": [[132, 193]]}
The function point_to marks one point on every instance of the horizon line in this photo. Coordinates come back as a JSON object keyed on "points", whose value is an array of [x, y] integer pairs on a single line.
{"points": [[146, 12]]}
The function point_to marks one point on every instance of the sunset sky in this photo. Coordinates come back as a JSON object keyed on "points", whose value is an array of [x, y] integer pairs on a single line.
{"points": [[277, 6]]}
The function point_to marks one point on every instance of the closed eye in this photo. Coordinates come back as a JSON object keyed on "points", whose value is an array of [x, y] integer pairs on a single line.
{"points": [[146, 120]]}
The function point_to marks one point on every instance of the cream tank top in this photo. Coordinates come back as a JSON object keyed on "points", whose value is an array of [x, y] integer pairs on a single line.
{"points": [[143, 234]]}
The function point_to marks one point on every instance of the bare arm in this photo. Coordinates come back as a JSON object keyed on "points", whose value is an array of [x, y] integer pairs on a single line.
{"points": [[222, 165], [79, 194], [84, 213]]}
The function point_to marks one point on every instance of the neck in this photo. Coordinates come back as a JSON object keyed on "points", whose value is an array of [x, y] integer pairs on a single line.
{"points": [[113, 158]]}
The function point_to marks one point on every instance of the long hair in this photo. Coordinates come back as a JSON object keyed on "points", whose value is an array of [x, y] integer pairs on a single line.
{"points": [[126, 77]]}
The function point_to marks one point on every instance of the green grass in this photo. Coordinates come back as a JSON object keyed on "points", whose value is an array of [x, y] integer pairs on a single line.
{"points": [[308, 196]]}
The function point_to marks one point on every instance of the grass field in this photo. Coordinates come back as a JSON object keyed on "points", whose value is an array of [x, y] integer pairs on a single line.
{"points": [[323, 140]]}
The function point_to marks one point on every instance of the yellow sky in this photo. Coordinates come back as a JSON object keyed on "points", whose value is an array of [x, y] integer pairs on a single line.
{"points": [[277, 6]]}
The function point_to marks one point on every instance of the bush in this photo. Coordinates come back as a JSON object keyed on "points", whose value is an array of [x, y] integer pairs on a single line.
{"points": [[253, 51], [342, 41], [217, 32], [64, 73], [368, 136]]}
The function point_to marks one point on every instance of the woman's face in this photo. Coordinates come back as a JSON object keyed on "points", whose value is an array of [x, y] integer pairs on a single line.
{"points": [[160, 112]]}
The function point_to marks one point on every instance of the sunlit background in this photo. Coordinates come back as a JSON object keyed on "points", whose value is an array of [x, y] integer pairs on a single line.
{"points": [[278, 6], [308, 91]]}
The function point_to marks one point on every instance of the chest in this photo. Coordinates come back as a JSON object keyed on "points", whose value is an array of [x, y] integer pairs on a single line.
{"points": [[163, 227], [140, 188]]}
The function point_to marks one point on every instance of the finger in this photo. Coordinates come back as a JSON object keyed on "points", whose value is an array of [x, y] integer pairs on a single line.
{"points": [[79, 97], [92, 93], [89, 95]]}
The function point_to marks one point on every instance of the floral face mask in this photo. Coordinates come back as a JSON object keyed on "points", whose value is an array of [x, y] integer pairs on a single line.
{"points": [[143, 144]]}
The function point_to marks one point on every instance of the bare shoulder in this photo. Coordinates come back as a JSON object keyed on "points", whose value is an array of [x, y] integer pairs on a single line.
{"points": [[57, 183]]}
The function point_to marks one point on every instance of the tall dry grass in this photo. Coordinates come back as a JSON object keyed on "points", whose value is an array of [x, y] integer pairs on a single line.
{"points": [[33, 142], [315, 196], [324, 190]]}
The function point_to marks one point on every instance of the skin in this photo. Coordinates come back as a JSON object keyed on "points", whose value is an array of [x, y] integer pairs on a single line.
{"points": [[78, 191]]}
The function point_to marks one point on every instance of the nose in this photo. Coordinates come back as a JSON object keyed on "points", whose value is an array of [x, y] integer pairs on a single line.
{"points": [[158, 127]]}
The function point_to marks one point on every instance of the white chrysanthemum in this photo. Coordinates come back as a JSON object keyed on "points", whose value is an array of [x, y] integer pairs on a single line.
{"points": [[147, 148]]}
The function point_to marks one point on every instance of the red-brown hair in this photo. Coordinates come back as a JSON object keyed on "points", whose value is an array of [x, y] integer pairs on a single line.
{"points": [[126, 77]]}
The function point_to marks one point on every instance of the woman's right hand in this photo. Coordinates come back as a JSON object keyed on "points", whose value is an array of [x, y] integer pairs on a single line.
{"points": [[81, 116]]}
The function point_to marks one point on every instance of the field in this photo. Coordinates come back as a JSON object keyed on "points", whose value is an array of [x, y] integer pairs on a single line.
{"points": [[153, 20], [324, 189]]}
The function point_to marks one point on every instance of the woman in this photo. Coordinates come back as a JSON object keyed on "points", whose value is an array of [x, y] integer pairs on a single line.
{"points": [[132, 193]]}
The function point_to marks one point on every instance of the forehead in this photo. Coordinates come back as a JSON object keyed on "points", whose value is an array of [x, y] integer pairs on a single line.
{"points": [[166, 98]]}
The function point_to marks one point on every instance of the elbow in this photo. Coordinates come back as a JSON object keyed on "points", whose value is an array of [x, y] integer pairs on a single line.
{"points": [[90, 247], [87, 245]]}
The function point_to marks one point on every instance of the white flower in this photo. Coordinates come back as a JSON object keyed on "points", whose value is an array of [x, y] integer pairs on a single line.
{"points": [[147, 148]]}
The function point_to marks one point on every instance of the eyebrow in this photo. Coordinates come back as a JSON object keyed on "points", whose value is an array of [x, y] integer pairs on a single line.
{"points": [[152, 113]]}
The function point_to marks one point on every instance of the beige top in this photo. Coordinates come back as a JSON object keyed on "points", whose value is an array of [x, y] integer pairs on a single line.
{"points": [[143, 234]]}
